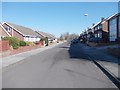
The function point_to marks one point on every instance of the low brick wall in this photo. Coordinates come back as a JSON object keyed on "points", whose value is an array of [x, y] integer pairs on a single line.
{"points": [[24, 49], [4, 45], [42, 43], [21, 49]]}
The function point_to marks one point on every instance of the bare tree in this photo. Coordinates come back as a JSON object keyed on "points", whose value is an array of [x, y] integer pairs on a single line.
{"points": [[68, 37], [72, 36], [61, 37]]}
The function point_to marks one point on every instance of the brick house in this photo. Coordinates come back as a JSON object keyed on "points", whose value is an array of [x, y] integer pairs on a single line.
{"points": [[51, 38], [21, 32], [106, 30], [4, 45], [3, 32], [85, 34], [114, 27], [100, 30], [89, 33]]}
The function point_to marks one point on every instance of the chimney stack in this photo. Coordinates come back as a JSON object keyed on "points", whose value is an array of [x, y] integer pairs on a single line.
{"points": [[102, 19], [93, 24]]}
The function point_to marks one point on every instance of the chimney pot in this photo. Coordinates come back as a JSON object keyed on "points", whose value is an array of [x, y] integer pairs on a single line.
{"points": [[102, 19]]}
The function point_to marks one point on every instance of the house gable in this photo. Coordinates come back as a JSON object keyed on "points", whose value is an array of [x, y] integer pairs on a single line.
{"points": [[12, 31], [21, 32], [3, 32]]}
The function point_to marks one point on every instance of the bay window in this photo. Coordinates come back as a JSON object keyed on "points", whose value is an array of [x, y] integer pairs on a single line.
{"points": [[119, 26], [113, 29]]}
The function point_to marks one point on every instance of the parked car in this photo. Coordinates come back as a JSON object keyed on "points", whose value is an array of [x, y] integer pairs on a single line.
{"points": [[74, 41], [57, 41]]}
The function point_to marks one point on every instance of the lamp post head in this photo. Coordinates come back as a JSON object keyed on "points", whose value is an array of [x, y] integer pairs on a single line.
{"points": [[85, 14]]}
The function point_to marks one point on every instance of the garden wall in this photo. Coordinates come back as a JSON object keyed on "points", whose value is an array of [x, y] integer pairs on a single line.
{"points": [[21, 49], [4, 45]]}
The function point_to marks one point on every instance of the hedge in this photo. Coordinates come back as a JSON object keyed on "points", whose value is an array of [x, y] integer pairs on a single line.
{"points": [[14, 42]]}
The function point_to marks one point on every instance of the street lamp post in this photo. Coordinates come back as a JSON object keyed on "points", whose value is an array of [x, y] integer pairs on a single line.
{"points": [[86, 19], [86, 15]]}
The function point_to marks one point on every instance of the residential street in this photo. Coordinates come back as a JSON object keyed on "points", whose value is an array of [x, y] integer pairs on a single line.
{"points": [[59, 67]]}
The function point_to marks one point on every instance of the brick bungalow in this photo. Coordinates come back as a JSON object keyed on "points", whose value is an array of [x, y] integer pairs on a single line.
{"points": [[51, 38], [114, 27], [4, 45], [21, 32], [3, 32]]}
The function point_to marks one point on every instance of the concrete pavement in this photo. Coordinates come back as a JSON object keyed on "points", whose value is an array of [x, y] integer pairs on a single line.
{"points": [[6, 61], [59, 67], [105, 60]]}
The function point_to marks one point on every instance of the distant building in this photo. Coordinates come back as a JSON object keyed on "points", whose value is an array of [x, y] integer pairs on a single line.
{"points": [[51, 38], [89, 33]]}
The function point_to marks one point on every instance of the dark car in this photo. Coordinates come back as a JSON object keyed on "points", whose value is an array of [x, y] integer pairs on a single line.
{"points": [[74, 41]]}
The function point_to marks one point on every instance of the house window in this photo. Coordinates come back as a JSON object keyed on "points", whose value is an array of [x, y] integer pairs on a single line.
{"points": [[100, 34], [88, 36], [95, 35], [95, 28], [8, 29], [100, 26]]}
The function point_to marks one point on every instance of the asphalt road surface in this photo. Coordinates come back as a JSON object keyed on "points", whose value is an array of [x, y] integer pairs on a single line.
{"points": [[59, 67]]}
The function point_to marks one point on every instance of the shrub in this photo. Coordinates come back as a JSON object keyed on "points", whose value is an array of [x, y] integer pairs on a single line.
{"points": [[29, 43], [14, 42], [45, 39], [42, 39], [15, 46], [22, 43]]}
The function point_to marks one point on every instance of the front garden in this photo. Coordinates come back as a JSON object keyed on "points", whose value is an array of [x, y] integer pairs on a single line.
{"points": [[19, 46]]}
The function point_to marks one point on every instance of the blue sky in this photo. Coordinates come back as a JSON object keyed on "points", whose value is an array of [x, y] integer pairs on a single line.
{"points": [[57, 17]]}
